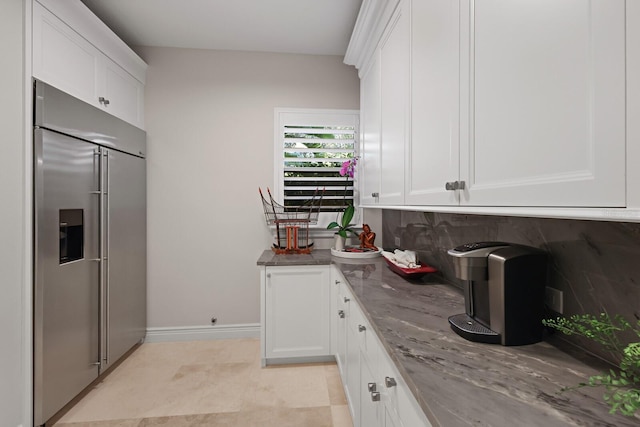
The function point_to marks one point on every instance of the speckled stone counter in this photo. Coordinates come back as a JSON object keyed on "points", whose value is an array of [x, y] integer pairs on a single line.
{"points": [[458, 382], [317, 257]]}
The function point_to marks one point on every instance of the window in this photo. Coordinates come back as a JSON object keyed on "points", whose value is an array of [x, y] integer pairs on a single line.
{"points": [[310, 147]]}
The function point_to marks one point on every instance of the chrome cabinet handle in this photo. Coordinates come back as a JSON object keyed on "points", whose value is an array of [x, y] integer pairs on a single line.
{"points": [[361, 328], [371, 387], [390, 382], [375, 194], [104, 101], [375, 396], [454, 185], [338, 282], [346, 299], [341, 314]]}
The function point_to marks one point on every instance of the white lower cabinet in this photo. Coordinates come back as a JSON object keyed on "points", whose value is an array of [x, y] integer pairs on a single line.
{"points": [[339, 314], [399, 406], [389, 417], [295, 313], [369, 395], [378, 396], [351, 381], [310, 314]]}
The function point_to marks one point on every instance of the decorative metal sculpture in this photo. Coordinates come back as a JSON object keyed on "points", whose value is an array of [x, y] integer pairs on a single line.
{"points": [[294, 219]]}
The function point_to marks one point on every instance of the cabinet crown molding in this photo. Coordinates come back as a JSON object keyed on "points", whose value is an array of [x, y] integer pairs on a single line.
{"points": [[370, 24]]}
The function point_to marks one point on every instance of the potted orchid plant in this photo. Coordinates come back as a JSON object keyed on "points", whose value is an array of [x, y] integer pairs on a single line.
{"points": [[343, 224]]}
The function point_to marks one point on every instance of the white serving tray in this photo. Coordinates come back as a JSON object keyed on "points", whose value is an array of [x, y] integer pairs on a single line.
{"points": [[357, 255]]}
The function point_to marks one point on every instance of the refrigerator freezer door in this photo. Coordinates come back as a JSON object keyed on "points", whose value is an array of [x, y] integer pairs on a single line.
{"points": [[126, 271], [67, 270]]}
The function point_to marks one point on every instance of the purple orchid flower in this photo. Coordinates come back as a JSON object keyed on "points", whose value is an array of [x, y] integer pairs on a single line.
{"points": [[349, 168]]}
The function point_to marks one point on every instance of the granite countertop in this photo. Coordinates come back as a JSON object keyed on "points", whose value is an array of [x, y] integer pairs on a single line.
{"points": [[459, 382], [317, 257]]}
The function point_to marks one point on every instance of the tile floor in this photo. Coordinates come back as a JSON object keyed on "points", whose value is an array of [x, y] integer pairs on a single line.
{"points": [[212, 383]]}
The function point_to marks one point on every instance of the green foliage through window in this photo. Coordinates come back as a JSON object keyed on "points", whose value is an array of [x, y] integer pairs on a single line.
{"points": [[312, 158]]}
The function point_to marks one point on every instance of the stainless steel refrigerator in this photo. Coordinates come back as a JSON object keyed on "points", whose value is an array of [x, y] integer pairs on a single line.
{"points": [[89, 245]]}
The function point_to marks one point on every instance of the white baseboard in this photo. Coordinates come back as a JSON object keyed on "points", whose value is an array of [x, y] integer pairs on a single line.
{"points": [[203, 333]]}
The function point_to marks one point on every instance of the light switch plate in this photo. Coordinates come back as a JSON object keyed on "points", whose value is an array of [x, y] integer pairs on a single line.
{"points": [[397, 241], [553, 299]]}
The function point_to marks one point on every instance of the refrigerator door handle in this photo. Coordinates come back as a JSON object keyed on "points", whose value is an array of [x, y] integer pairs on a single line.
{"points": [[103, 257], [105, 215]]}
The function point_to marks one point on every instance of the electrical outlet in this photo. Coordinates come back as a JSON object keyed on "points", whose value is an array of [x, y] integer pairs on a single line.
{"points": [[553, 299], [397, 241]]}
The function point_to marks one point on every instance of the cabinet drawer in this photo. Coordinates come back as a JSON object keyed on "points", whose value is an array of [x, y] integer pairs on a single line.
{"points": [[345, 299], [390, 378], [396, 395], [367, 339]]}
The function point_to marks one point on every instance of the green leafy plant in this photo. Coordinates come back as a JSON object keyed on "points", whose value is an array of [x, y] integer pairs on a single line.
{"points": [[623, 384], [345, 223]]}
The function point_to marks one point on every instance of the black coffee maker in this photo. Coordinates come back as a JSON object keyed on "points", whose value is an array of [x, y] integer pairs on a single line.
{"points": [[503, 292]]}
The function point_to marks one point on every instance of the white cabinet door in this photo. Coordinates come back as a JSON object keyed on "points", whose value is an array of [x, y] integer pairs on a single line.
{"points": [[399, 405], [546, 119], [370, 134], [369, 396], [62, 58], [366, 361], [122, 92], [352, 382], [389, 418], [432, 157], [340, 313], [296, 308], [394, 101]]}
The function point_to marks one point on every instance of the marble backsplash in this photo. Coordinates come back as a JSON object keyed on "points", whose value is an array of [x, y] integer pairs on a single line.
{"points": [[595, 264]]}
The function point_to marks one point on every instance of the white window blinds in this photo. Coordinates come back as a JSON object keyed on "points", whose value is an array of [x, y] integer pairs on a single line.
{"points": [[311, 146]]}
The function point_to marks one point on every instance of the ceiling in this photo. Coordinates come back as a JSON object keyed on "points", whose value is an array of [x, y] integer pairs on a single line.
{"points": [[317, 27]]}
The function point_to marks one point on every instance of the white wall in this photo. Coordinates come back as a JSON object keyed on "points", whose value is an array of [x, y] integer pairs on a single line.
{"points": [[13, 361], [209, 117]]}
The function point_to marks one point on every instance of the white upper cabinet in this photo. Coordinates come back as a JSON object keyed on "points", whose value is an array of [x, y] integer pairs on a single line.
{"points": [[125, 94], [433, 152], [62, 58], [394, 106], [69, 53], [370, 134], [519, 107], [384, 109], [546, 103]]}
